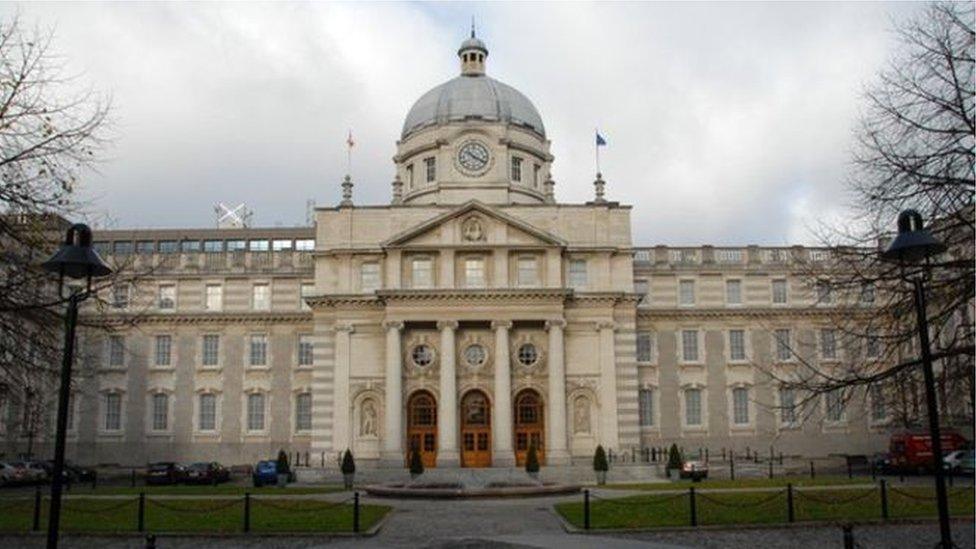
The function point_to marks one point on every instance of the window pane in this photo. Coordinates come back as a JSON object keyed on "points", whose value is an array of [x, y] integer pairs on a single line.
{"points": [[113, 412], [687, 292], [645, 347], [733, 292], [215, 297], [474, 272], [303, 412], [208, 412], [167, 297], [211, 350], [369, 276], [189, 246], [213, 246], [258, 245], [262, 297], [255, 412], [422, 274], [527, 275], [163, 350], [879, 409], [787, 403], [160, 412], [259, 350], [783, 345], [779, 291], [740, 405], [646, 397], [116, 351], [168, 246], [305, 244], [281, 244], [737, 345], [577, 273], [145, 247], [236, 245], [693, 407], [828, 343], [835, 405], [305, 350], [120, 296], [689, 345]]}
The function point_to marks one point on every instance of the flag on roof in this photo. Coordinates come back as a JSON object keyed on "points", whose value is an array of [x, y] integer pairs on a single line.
{"points": [[600, 141], [349, 140]]}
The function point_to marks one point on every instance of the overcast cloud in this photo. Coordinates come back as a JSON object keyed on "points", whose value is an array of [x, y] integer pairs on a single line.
{"points": [[727, 123]]}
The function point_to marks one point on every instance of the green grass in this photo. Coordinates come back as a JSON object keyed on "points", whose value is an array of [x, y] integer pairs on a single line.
{"points": [[743, 483], [201, 490], [663, 510], [182, 515]]}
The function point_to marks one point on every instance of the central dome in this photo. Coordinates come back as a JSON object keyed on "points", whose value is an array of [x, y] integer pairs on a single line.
{"points": [[473, 96]]}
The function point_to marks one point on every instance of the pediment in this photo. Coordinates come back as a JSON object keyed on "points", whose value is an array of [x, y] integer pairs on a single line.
{"points": [[473, 224]]}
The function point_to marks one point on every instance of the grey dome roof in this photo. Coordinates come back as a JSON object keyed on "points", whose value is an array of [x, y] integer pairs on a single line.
{"points": [[473, 43], [468, 97]]}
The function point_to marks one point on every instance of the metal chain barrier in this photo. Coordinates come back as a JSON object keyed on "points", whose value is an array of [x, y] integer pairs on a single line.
{"points": [[17, 504], [641, 502], [195, 509], [920, 497], [89, 511], [760, 503], [803, 495], [301, 506]]}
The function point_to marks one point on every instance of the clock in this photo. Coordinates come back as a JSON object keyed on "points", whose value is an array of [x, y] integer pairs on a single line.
{"points": [[473, 157]]}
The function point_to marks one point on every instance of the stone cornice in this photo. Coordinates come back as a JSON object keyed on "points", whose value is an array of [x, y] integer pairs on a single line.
{"points": [[196, 318], [749, 312], [480, 295]]}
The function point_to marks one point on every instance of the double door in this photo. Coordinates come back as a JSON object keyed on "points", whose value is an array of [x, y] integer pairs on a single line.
{"points": [[475, 430]]}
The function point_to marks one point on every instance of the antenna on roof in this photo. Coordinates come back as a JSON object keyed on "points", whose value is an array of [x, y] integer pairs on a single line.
{"points": [[310, 212], [238, 217], [472, 26]]}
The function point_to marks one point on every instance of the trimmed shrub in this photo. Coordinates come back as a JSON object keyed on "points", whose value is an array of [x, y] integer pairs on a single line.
{"points": [[532, 460], [600, 459], [674, 458], [348, 463], [283, 468]]}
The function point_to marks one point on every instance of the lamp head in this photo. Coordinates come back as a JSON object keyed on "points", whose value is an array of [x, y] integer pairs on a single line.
{"points": [[76, 258], [914, 243]]}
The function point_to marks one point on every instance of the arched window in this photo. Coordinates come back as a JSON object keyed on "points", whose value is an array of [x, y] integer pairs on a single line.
{"points": [[528, 408], [423, 410]]}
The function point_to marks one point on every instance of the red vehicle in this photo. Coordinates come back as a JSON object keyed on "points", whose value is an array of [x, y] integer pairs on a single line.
{"points": [[912, 451]]}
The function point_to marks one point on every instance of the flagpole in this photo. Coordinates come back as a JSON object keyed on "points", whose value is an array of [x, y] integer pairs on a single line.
{"points": [[349, 153], [596, 145]]}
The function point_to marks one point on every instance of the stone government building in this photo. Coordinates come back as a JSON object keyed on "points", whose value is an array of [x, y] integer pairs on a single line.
{"points": [[472, 316]]}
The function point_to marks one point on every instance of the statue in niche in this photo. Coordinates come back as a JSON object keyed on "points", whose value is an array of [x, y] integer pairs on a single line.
{"points": [[367, 420], [581, 415]]}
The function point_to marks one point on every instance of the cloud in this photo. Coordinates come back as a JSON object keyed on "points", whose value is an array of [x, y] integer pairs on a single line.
{"points": [[728, 123]]}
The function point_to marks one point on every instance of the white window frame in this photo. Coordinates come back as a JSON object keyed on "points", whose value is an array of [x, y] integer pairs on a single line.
{"points": [[729, 284], [252, 340], [785, 421], [699, 358], [786, 291], [652, 348], [110, 362], [369, 276], [104, 416], [430, 169], [261, 302], [578, 273], [745, 345], [683, 300], [248, 409], [516, 171], [217, 304], [203, 350], [198, 412], [151, 425], [827, 397], [157, 339], [522, 274], [821, 344], [165, 288], [415, 263], [702, 409], [788, 345], [647, 413], [301, 341], [735, 406], [299, 416], [471, 265], [873, 399]]}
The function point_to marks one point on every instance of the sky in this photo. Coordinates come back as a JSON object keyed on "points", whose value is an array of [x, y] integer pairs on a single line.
{"points": [[727, 123]]}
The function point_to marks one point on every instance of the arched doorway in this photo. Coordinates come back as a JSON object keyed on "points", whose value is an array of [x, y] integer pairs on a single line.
{"points": [[475, 430], [529, 426], [422, 427]]}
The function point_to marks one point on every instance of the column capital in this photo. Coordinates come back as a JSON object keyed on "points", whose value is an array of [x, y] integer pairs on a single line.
{"points": [[345, 327], [393, 325], [501, 324], [447, 324], [606, 325], [556, 323]]}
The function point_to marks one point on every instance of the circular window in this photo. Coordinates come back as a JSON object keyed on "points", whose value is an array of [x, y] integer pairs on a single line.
{"points": [[475, 355], [422, 355], [527, 354]]}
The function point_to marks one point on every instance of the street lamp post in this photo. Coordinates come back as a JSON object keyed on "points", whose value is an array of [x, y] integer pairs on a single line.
{"points": [[78, 260], [913, 246]]}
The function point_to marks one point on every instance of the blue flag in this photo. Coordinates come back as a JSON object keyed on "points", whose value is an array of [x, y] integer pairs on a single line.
{"points": [[600, 141]]}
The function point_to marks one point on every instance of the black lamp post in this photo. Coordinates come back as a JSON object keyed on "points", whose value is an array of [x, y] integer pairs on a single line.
{"points": [[78, 260], [913, 246]]}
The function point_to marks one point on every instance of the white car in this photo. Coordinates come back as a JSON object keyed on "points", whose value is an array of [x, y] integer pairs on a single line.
{"points": [[10, 474], [953, 460]]}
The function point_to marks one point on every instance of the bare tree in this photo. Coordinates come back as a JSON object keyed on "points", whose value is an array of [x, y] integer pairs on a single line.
{"points": [[915, 149]]}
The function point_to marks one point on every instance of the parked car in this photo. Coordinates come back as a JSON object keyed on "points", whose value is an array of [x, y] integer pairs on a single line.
{"points": [[265, 472], [10, 475], [38, 471], [165, 472], [912, 451], [882, 462], [28, 474], [967, 464], [695, 470], [953, 459], [206, 473], [79, 474]]}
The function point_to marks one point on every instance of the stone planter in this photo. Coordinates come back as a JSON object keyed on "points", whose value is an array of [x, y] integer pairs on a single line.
{"points": [[282, 480], [601, 477], [347, 480]]}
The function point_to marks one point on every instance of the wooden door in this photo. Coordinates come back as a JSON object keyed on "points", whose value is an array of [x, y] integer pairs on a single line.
{"points": [[422, 428], [475, 430], [529, 426]]}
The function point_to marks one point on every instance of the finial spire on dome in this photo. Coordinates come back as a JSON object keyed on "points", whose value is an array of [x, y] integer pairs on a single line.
{"points": [[472, 26]]}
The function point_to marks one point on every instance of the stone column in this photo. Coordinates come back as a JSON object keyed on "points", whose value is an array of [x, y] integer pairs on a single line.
{"points": [[340, 412], [447, 410], [392, 455], [556, 454], [501, 427], [608, 386]]}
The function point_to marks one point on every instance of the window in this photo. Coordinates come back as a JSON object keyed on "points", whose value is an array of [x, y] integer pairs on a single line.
{"points": [[879, 410], [303, 412], [255, 412], [306, 290], [207, 420], [693, 410], [369, 276], [475, 355], [116, 351], [164, 345], [167, 297], [262, 297], [527, 354], [779, 291], [160, 412], [145, 247], [733, 292], [828, 343], [211, 350], [474, 272], [740, 406], [236, 245], [867, 293], [258, 350], [113, 412], [168, 246], [645, 347], [422, 355], [258, 245], [527, 271], [577, 273], [120, 296], [305, 244], [834, 401], [783, 348], [410, 176], [535, 174], [516, 168], [189, 246], [122, 248], [280, 245], [824, 294], [737, 345], [686, 292], [213, 246], [422, 272], [689, 345], [214, 299], [643, 289], [873, 344], [646, 407], [787, 405], [430, 165], [305, 349]]}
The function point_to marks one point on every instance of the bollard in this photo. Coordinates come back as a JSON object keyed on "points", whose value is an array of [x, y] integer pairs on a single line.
{"points": [[141, 527], [884, 499], [586, 509], [693, 509], [355, 512], [732, 467], [812, 473], [133, 478], [848, 536], [247, 512], [770, 468], [781, 458], [150, 541], [790, 513], [37, 509], [850, 472]]}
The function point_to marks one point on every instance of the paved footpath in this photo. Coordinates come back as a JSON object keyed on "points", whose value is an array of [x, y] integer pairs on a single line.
{"points": [[522, 523]]}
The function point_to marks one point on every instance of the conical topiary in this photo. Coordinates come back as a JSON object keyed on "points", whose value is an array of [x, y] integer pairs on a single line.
{"points": [[674, 457], [532, 460], [283, 468], [416, 463], [600, 460], [348, 463]]}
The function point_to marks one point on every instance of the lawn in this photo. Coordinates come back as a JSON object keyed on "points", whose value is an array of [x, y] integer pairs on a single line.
{"points": [[663, 510], [223, 515], [744, 483], [201, 490]]}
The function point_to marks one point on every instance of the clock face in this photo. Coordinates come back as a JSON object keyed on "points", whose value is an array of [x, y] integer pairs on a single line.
{"points": [[473, 157]]}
